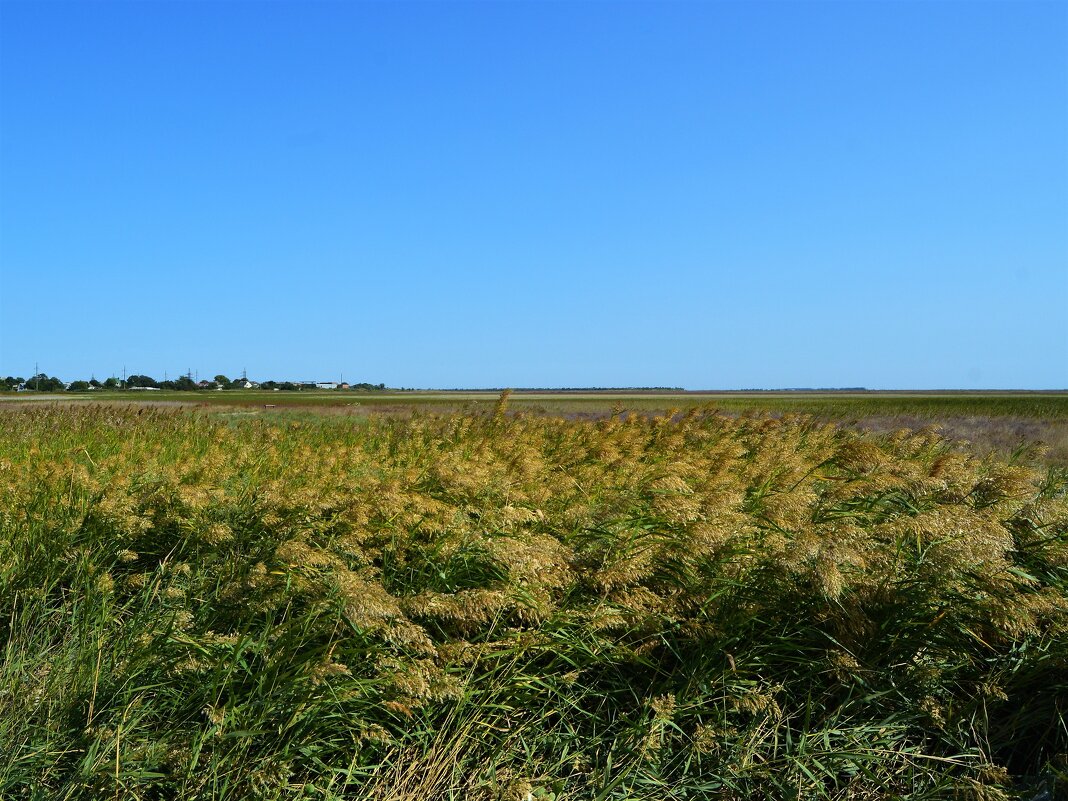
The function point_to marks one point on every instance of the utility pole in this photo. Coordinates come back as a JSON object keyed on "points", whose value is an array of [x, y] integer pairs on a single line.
{"points": [[37, 376]]}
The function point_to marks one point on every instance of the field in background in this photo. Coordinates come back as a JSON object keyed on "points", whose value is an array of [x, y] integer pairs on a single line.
{"points": [[1048, 405], [986, 421]]}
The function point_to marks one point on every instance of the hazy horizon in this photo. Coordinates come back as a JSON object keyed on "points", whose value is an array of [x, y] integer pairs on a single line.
{"points": [[210, 376]]}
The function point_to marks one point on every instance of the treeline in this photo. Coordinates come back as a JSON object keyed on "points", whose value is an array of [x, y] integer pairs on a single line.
{"points": [[46, 383]]}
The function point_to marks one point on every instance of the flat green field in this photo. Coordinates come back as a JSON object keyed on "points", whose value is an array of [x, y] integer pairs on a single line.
{"points": [[1003, 422], [1041, 405]]}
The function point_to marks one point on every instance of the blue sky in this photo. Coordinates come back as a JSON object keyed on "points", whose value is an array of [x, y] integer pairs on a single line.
{"points": [[708, 195]]}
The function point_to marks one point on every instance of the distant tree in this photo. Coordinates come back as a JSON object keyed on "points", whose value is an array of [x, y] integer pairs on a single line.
{"points": [[94, 383], [44, 383], [78, 386], [184, 383], [141, 381], [112, 383], [222, 380]]}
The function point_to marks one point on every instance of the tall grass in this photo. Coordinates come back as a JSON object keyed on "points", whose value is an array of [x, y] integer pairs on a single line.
{"points": [[485, 606]]}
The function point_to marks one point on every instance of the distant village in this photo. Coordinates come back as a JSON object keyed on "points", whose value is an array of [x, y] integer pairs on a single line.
{"points": [[184, 383]]}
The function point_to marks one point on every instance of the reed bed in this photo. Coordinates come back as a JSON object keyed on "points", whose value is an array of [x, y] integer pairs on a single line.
{"points": [[496, 606]]}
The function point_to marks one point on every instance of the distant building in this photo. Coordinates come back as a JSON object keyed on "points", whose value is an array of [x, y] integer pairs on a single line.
{"points": [[326, 385]]}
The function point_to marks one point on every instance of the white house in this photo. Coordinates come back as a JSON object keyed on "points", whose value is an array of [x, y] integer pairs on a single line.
{"points": [[326, 384]]}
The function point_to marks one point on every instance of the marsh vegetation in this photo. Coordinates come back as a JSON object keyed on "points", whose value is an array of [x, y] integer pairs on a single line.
{"points": [[486, 605]]}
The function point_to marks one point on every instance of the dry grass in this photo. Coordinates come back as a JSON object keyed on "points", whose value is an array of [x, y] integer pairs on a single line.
{"points": [[499, 606]]}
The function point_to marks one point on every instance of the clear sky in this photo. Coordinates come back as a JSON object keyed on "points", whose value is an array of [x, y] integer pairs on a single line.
{"points": [[708, 195]]}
